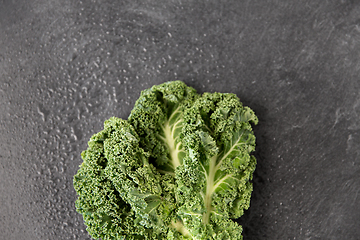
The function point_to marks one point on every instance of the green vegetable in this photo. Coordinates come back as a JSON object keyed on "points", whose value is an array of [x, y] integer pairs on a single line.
{"points": [[180, 167]]}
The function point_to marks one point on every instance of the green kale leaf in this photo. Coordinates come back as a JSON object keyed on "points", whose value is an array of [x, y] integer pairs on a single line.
{"points": [[180, 167]]}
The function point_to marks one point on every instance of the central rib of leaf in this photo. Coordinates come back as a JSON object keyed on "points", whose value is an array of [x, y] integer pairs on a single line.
{"points": [[170, 130]]}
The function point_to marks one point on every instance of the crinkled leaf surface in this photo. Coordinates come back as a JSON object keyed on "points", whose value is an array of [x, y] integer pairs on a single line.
{"points": [[105, 213], [158, 119], [214, 181]]}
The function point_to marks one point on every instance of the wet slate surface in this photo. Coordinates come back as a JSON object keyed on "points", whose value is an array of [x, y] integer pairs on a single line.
{"points": [[66, 66]]}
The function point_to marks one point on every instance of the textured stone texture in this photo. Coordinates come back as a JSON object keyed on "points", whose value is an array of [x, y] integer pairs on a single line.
{"points": [[66, 66]]}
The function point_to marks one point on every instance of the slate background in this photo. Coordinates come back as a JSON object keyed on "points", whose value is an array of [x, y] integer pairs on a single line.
{"points": [[66, 66]]}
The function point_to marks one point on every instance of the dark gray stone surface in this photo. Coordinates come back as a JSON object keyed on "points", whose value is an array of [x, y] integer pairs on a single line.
{"points": [[66, 66]]}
